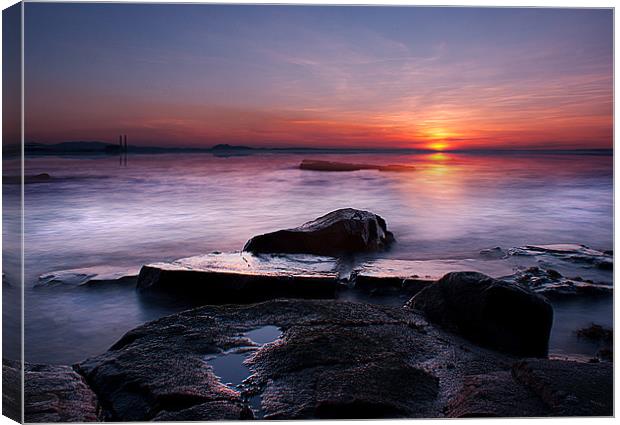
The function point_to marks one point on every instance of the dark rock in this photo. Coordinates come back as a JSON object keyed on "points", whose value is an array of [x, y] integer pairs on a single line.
{"points": [[596, 333], [495, 253], [495, 395], [569, 388], [159, 372], [605, 354], [551, 284], [339, 232], [58, 394], [242, 277], [601, 335], [490, 312], [333, 360], [35, 178], [11, 389], [411, 276], [316, 165], [537, 387]]}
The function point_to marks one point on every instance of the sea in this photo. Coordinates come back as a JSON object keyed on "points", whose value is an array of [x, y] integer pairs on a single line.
{"points": [[104, 210]]}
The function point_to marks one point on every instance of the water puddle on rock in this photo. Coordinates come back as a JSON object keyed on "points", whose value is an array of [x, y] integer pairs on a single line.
{"points": [[264, 335], [232, 372]]}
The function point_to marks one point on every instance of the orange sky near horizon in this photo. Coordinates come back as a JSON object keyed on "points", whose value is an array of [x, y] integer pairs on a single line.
{"points": [[431, 78]]}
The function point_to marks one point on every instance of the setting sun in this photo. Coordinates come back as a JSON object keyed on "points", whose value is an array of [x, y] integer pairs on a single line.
{"points": [[438, 146]]}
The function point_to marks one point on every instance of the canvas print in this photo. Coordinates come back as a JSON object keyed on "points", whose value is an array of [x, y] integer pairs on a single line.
{"points": [[224, 211]]}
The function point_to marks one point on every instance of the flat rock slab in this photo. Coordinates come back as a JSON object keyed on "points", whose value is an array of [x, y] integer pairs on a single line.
{"points": [[243, 277], [414, 275], [58, 394], [88, 276], [333, 360]]}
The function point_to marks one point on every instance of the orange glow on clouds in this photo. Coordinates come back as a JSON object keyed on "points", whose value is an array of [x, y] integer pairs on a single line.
{"points": [[440, 84]]}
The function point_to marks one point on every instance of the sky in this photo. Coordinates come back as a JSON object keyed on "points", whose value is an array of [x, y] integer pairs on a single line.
{"points": [[276, 76]]}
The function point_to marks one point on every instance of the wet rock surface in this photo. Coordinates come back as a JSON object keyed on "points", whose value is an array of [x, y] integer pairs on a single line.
{"points": [[579, 254], [411, 276], [495, 394], [333, 360], [58, 394], [569, 388], [11, 389], [343, 231], [242, 277], [310, 359], [550, 283], [538, 387], [488, 311]]}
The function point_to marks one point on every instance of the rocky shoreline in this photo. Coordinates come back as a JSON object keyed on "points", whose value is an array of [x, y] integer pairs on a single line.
{"points": [[470, 338]]}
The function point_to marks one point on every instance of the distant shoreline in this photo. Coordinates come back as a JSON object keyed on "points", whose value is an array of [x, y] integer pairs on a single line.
{"points": [[88, 148]]}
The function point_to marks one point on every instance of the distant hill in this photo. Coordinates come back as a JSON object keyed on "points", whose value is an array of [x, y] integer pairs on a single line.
{"points": [[75, 147], [224, 149], [227, 147]]}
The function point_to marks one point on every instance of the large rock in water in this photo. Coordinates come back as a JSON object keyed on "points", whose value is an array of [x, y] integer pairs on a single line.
{"points": [[340, 232], [488, 311]]}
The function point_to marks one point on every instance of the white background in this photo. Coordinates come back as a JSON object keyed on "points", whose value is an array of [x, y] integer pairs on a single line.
{"points": [[591, 3]]}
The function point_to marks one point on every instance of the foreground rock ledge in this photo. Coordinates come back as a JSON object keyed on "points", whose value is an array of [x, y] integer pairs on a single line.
{"points": [[538, 387], [340, 232], [332, 360], [58, 394]]}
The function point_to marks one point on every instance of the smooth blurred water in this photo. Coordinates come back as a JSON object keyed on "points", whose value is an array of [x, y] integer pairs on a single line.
{"points": [[96, 211]]}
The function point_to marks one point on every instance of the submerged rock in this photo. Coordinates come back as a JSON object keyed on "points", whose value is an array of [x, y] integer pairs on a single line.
{"points": [[243, 277], [601, 335], [340, 232], [552, 284], [572, 253], [34, 178], [58, 394], [490, 312], [597, 333], [88, 276]]}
